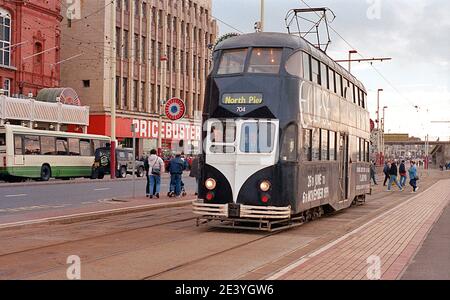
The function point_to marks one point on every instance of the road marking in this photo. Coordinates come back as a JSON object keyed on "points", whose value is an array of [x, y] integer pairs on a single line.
{"points": [[18, 195], [103, 189]]}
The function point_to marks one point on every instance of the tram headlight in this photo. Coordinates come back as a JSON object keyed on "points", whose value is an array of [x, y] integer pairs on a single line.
{"points": [[265, 185], [210, 184]]}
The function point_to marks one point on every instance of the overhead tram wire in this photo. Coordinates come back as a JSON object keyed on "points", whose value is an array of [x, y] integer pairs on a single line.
{"points": [[225, 23], [376, 70]]}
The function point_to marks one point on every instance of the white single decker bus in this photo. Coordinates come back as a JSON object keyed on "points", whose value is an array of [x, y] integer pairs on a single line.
{"points": [[40, 154]]}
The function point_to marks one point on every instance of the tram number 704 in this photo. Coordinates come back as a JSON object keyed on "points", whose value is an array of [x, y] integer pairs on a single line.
{"points": [[241, 109]]}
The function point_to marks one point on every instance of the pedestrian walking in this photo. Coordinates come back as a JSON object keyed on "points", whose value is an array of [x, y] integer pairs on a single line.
{"points": [[393, 173], [386, 172], [195, 172], [373, 172], [402, 171], [176, 168], [154, 166], [413, 177]]}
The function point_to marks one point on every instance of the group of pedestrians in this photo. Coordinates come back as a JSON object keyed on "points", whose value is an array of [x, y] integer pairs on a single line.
{"points": [[391, 172], [154, 168]]}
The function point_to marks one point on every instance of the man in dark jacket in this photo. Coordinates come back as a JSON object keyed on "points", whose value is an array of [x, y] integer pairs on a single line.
{"points": [[373, 172], [176, 168], [393, 172], [195, 172], [402, 171], [386, 172]]}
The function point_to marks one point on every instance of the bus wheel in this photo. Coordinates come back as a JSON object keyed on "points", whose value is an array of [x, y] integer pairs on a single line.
{"points": [[46, 173], [123, 172]]}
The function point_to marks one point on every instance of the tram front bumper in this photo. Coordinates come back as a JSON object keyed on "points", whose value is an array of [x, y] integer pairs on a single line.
{"points": [[232, 210]]}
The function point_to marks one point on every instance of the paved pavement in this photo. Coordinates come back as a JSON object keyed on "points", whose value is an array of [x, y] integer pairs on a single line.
{"points": [[380, 249]]}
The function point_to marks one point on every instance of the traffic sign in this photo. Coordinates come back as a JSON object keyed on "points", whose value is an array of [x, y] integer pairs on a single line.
{"points": [[175, 109]]}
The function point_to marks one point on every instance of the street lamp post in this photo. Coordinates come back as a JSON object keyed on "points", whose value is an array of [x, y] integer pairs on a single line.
{"points": [[350, 59], [379, 137]]}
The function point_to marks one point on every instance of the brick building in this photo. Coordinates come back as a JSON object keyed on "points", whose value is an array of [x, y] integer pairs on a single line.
{"points": [[137, 53], [29, 46]]}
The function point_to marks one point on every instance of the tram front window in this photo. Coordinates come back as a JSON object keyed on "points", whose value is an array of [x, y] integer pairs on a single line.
{"points": [[222, 137], [232, 61], [257, 137], [2, 139], [265, 60]]}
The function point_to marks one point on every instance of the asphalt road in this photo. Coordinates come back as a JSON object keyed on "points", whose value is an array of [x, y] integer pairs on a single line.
{"points": [[28, 196]]}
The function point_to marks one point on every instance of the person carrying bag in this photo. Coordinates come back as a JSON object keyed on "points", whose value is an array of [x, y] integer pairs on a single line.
{"points": [[157, 166]]}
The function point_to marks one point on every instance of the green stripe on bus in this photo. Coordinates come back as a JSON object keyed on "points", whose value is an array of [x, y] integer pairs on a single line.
{"points": [[35, 172]]}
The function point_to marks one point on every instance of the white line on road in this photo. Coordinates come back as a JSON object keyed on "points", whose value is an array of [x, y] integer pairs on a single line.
{"points": [[103, 189], [18, 195]]}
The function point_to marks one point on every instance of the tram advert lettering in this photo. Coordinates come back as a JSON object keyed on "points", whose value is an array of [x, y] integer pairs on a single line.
{"points": [[246, 99]]}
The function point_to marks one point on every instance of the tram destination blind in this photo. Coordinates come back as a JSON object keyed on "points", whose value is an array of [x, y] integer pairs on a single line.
{"points": [[242, 99]]}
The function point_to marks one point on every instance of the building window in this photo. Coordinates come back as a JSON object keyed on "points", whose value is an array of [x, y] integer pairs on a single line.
{"points": [[118, 42], [5, 38], [125, 44], [38, 58], [154, 54], [124, 92], [86, 83], [142, 103], [126, 5], [136, 48], [144, 10], [7, 87], [143, 47], [117, 91], [135, 95], [136, 8]]}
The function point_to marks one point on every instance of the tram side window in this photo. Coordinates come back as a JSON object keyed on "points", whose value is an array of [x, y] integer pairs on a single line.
{"points": [[289, 145], [324, 75], [315, 70], [315, 152], [332, 145], [85, 148], [364, 96], [339, 85], [265, 60], [306, 66], [232, 61], [62, 148], [323, 144], [294, 65], [331, 79], [18, 145], [257, 137], [48, 145], [32, 145], [307, 145]]}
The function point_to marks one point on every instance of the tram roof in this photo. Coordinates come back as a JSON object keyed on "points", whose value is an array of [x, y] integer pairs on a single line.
{"points": [[278, 39]]}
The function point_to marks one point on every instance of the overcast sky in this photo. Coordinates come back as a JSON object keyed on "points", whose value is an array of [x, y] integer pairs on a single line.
{"points": [[415, 33]]}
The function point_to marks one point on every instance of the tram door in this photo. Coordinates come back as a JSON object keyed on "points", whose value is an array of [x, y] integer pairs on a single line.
{"points": [[344, 164]]}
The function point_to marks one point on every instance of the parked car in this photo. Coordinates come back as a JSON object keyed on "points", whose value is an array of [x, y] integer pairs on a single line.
{"points": [[124, 163]]}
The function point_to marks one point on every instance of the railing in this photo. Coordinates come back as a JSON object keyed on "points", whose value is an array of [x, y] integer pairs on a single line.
{"points": [[37, 111]]}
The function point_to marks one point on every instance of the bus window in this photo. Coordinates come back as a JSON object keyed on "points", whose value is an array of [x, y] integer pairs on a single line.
{"points": [[85, 148], [62, 147], [289, 145], [257, 137], [48, 146], [315, 70], [294, 64], [232, 61], [18, 145], [265, 60], [74, 147], [32, 145], [2, 139]]}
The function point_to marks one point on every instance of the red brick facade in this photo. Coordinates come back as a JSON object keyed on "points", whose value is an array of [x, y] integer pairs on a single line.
{"points": [[33, 27]]}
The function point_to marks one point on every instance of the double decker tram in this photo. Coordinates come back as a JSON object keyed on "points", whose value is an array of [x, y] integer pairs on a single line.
{"points": [[286, 135]]}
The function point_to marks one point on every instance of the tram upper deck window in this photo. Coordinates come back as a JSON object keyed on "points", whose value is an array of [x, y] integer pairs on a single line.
{"points": [[294, 65], [257, 137], [265, 60], [315, 70], [232, 61]]}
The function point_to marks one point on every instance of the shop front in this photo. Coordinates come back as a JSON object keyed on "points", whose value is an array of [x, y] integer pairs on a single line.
{"points": [[177, 136]]}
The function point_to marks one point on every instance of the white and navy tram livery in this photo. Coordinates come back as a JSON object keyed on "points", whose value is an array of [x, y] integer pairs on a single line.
{"points": [[286, 132]]}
